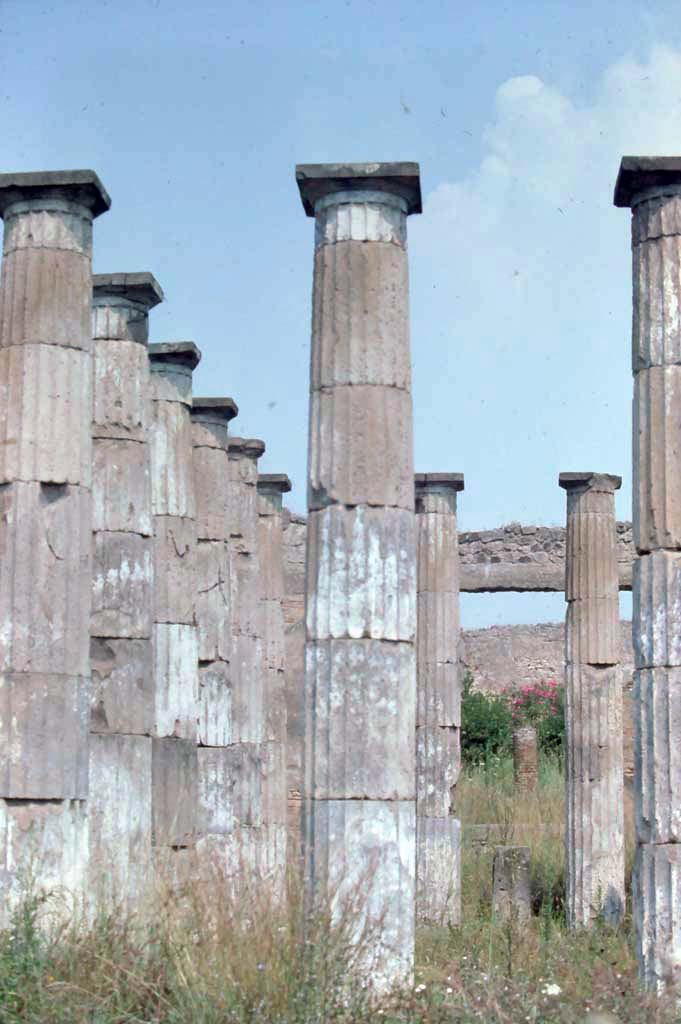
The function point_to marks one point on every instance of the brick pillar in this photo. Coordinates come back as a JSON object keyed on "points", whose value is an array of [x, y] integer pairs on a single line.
{"points": [[438, 702], [271, 487], [45, 526], [121, 652], [594, 831], [360, 676], [651, 186], [246, 667], [173, 501]]}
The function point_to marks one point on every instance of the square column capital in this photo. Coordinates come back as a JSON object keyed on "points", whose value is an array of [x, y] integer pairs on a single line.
{"points": [[82, 186], [403, 179], [141, 288], [640, 173], [586, 481]]}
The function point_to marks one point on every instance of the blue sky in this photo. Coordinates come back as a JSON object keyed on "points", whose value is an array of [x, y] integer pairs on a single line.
{"points": [[194, 116]]}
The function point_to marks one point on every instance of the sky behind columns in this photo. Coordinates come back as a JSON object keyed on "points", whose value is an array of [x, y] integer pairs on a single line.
{"points": [[194, 116]]}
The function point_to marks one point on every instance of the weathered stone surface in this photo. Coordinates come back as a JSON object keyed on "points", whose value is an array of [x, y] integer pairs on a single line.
{"points": [[274, 648], [438, 870], [119, 810], [595, 802], [364, 857], [244, 581], [360, 447], [243, 495], [657, 914], [245, 666], [45, 392], [43, 736], [176, 680], [211, 486], [174, 791], [212, 602], [273, 774], [592, 631], [122, 691], [230, 784], [122, 585], [657, 776], [361, 338], [511, 898], [437, 641], [438, 700], [657, 446], [121, 486], [525, 758], [175, 569], [438, 553], [48, 840], [656, 330], [45, 578], [216, 725], [438, 763], [171, 365], [345, 224], [360, 718], [362, 574], [44, 294], [172, 470], [215, 716], [657, 609], [121, 304], [121, 406]]}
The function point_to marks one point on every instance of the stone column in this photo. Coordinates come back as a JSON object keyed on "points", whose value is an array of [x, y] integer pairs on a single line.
{"points": [[438, 702], [594, 832], [175, 712], [246, 660], [295, 531], [651, 186], [45, 526], [121, 653], [271, 487], [511, 884], [360, 675]]}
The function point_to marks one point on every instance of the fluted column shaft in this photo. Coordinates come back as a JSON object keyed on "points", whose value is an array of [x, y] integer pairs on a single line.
{"points": [[121, 650], [360, 676], [173, 503], [594, 835], [45, 526], [438, 701], [651, 186], [271, 488]]}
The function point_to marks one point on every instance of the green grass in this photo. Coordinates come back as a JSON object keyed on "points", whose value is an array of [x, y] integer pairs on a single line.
{"points": [[208, 959]]}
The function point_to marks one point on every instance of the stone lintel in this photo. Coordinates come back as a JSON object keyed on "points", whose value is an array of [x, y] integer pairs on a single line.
{"points": [[399, 178], [439, 481], [590, 482], [220, 409], [141, 288], [277, 483], [251, 447], [81, 186], [179, 353], [638, 173]]}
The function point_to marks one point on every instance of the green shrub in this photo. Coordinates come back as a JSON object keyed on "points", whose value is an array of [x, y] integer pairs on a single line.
{"points": [[485, 724]]}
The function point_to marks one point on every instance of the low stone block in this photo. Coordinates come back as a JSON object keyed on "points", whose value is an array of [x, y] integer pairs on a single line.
{"points": [[122, 691], [176, 705], [360, 715], [438, 764], [174, 791], [360, 317], [361, 447], [45, 402], [119, 808], [230, 788], [122, 585], [361, 579], [121, 486], [45, 578], [43, 736], [121, 407], [512, 898], [212, 603], [48, 841], [172, 469], [175, 567], [657, 772], [361, 857], [215, 705], [657, 609], [438, 871]]}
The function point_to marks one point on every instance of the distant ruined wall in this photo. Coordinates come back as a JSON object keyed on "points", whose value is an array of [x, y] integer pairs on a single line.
{"points": [[517, 557]]}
